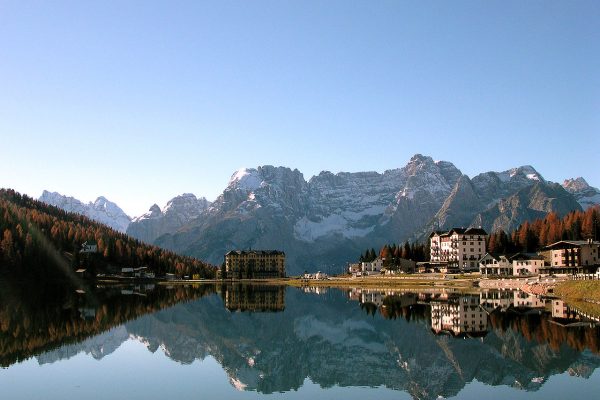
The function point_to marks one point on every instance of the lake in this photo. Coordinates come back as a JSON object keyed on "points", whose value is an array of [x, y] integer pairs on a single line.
{"points": [[246, 342]]}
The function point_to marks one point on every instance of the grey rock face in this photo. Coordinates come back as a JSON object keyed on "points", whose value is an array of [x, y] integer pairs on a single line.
{"points": [[176, 213], [527, 204], [493, 186], [460, 206], [586, 195]]}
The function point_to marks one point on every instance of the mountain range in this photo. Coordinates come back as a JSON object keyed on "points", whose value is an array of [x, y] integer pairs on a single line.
{"points": [[330, 219]]}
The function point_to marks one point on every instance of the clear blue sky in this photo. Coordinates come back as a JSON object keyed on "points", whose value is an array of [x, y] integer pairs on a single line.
{"points": [[140, 101]]}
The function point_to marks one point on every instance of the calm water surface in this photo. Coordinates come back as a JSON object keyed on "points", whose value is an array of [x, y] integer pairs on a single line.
{"points": [[151, 342]]}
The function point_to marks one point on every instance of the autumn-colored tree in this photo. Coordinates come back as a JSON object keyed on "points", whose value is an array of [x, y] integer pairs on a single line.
{"points": [[6, 246]]}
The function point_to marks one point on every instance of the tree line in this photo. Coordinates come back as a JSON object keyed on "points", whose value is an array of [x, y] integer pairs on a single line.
{"points": [[391, 254], [35, 236], [532, 236]]}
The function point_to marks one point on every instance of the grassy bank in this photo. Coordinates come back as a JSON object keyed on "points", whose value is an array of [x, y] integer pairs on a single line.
{"points": [[584, 295], [415, 281], [579, 290]]}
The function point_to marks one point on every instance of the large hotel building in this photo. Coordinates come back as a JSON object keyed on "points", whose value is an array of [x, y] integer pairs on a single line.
{"points": [[459, 248], [255, 264]]}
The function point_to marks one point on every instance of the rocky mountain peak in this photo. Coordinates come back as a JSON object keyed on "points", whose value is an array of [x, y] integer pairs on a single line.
{"points": [[101, 200], [247, 179], [178, 211], [449, 171], [525, 172], [251, 179], [101, 210], [576, 185], [187, 203], [154, 211], [586, 195], [418, 162], [423, 175]]}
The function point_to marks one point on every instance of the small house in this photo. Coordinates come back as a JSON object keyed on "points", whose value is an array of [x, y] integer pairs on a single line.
{"points": [[170, 277], [372, 268]]}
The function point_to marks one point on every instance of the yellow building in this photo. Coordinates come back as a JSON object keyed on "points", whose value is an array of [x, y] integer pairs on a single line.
{"points": [[255, 264]]}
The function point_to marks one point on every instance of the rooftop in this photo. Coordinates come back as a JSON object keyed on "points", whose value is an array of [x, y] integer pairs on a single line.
{"points": [[460, 231], [257, 252], [526, 256], [564, 244]]}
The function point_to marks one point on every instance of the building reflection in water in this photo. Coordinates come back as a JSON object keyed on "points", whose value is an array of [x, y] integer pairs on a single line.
{"points": [[466, 315], [458, 315], [243, 297], [453, 313], [315, 289]]}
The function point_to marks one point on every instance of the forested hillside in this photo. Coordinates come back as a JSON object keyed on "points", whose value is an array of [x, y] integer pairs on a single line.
{"points": [[40, 240]]}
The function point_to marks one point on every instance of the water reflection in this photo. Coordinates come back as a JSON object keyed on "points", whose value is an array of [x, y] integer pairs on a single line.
{"points": [[470, 314], [35, 318], [459, 316], [271, 339], [260, 298]]}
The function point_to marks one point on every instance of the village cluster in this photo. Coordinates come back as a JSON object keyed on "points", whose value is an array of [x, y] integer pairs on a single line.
{"points": [[462, 250]]}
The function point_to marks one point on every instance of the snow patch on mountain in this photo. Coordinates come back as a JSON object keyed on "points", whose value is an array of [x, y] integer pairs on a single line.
{"points": [[522, 172], [246, 179], [341, 224]]}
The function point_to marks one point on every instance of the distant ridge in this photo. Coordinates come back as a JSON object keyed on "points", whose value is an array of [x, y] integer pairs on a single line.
{"points": [[101, 210]]}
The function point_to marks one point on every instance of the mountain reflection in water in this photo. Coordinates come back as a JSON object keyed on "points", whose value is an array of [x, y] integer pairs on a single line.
{"points": [[271, 338]]}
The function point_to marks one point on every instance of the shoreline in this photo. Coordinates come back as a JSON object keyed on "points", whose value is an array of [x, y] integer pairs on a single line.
{"points": [[462, 281], [585, 295]]}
